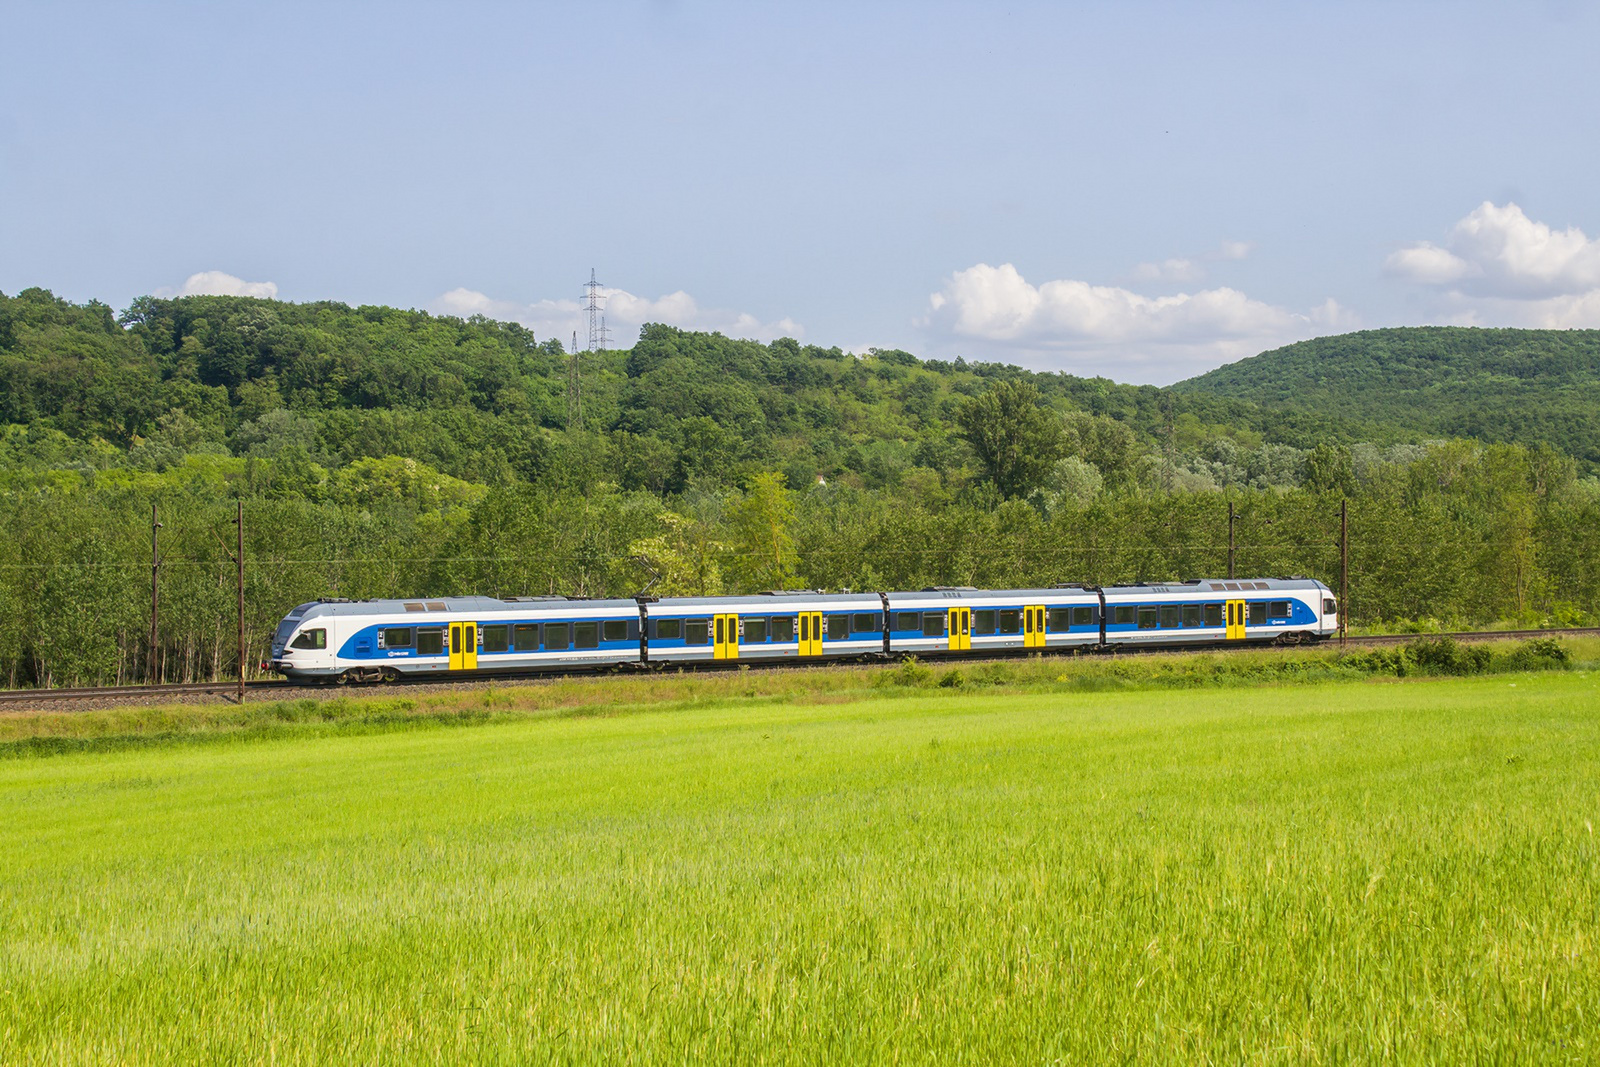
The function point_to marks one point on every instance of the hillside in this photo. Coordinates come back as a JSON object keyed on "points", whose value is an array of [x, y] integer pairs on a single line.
{"points": [[485, 401], [1522, 386]]}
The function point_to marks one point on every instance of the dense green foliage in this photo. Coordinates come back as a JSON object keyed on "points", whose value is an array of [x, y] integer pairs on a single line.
{"points": [[1328, 873], [1527, 386], [384, 452], [483, 401]]}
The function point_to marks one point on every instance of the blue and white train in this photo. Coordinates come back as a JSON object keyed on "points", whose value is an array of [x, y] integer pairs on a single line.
{"points": [[384, 640]]}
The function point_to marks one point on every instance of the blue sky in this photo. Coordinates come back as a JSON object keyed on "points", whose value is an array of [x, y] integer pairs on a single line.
{"points": [[1140, 190]]}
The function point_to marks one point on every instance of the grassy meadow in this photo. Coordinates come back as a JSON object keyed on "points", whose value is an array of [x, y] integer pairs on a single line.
{"points": [[827, 871]]}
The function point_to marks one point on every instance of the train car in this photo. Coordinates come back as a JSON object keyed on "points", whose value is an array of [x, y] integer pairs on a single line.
{"points": [[953, 619], [381, 640], [1214, 611], [767, 627]]}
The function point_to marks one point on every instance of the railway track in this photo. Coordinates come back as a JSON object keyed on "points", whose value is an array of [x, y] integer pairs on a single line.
{"points": [[1474, 635], [138, 692], [274, 687]]}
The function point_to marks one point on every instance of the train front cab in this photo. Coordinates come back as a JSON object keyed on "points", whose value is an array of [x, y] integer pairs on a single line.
{"points": [[1216, 612]]}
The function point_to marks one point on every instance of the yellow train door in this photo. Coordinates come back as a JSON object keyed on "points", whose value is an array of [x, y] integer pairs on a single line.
{"points": [[463, 646], [725, 639], [1033, 626], [960, 623], [811, 633], [1236, 617]]}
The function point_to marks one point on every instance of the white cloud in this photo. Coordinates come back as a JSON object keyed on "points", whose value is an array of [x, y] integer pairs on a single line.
{"points": [[218, 283], [1169, 270], [624, 314], [1429, 264], [1116, 331], [1497, 265], [1183, 270]]}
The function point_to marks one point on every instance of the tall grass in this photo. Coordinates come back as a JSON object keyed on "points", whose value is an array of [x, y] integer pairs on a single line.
{"points": [[1321, 872], [313, 713]]}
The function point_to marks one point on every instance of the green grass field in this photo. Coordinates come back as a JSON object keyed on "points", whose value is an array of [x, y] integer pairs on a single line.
{"points": [[1347, 870]]}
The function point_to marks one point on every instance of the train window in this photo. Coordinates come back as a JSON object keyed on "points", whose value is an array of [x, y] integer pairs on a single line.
{"points": [[311, 639], [1124, 614], [755, 631], [399, 637], [1280, 609], [696, 631], [1258, 613], [667, 629], [908, 620], [1058, 620], [933, 624], [430, 640], [783, 628], [614, 630], [1213, 614], [586, 635], [1191, 614], [525, 637], [496, 638], [1329, 607], [557, 636], [983, 622], [1083, 616], [1171, 616], [1011, 621], [1149, 618], [838, 627], [863, 624]]}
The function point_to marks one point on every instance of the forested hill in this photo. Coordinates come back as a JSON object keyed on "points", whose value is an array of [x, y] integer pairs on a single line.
{"points": [[486, 402], [1526, 386], [324, 388]]}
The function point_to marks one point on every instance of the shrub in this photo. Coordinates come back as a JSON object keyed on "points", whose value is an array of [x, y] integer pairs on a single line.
{"points": [[992, 674], [912, 672], [1538, 654], [1446, 655]]}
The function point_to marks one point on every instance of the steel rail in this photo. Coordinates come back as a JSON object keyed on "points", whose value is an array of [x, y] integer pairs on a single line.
{"points": [[14, 696]]}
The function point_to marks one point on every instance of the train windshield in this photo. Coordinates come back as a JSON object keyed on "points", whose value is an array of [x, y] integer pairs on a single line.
{"points": [[280, 636]]}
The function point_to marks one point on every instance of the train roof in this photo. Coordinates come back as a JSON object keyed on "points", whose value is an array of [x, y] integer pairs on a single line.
{"points": [[421, 607], [1216, 585], [445, 605], [776, 600]]}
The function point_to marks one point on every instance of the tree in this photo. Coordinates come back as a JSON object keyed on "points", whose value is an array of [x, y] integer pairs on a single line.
{"points": [[1106, 444], [763, 548], [1015, 437], [1330, 469]]}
